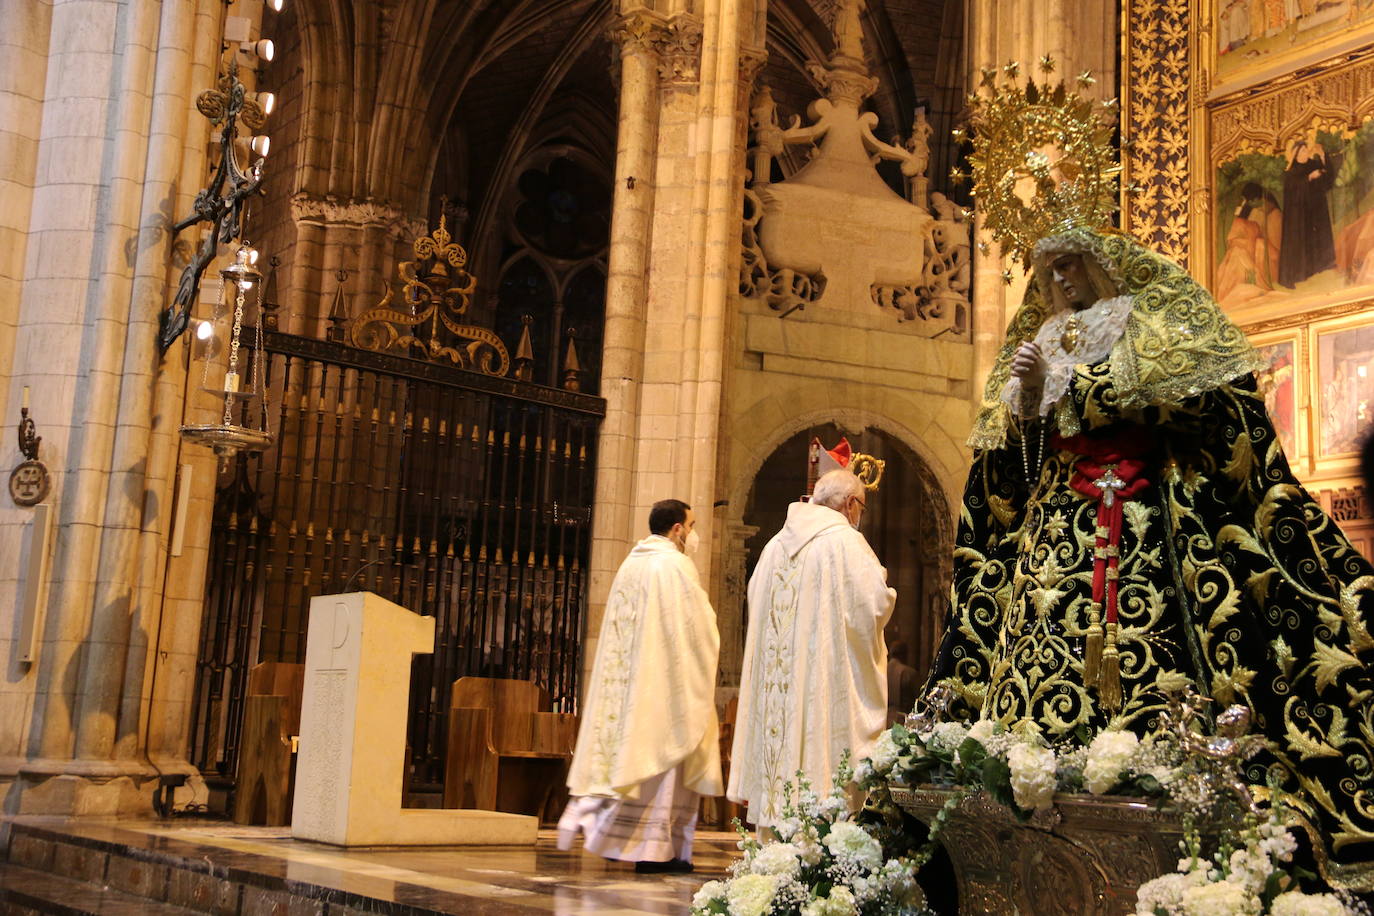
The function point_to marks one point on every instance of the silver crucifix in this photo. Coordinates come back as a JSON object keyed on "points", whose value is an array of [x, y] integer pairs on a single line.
{"points": [[1109, 484]]}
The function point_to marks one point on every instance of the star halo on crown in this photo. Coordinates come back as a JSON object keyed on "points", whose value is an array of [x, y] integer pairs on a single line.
{"points": [[1043, 160]]}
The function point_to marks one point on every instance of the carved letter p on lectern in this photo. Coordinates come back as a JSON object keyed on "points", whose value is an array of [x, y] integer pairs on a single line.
{"points": [[353, 732]]}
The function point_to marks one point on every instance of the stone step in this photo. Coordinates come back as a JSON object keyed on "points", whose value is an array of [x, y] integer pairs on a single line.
{"points": [[24, 891], [194, 878]]}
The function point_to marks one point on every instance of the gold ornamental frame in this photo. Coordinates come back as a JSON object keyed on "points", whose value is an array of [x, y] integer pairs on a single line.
{"points": [[1343, 462]]}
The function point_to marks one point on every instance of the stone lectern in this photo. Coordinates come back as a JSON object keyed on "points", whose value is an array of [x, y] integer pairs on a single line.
{"points": [[353, 734]]}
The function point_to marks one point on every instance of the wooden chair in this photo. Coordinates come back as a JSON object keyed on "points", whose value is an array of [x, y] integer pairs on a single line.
{"points": [[505, 751], [271, 717]]}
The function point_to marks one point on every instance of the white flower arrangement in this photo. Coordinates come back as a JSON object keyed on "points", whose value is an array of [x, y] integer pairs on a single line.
{"points": [[824, 863], [1252, 879], [821, 864]]}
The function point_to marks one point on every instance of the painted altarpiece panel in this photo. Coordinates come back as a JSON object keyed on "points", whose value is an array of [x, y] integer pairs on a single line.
{"points": [[1292, 197], [1250, 41], [1284, 388]]}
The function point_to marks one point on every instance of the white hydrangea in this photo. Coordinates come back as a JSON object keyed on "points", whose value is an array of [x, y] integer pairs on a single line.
{"points": [[982, 730], [840, 903], [885, 752], [708, 892], [1165, 892], [781, 859], [1221, 898], [750, 895], [1296, 903], [851, 845], [1032, 776], [948, 736], [1108, 756]]}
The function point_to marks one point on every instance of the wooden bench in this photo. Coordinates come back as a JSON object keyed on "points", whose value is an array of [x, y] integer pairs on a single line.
{"points": [[506, 752], [271, 718]]}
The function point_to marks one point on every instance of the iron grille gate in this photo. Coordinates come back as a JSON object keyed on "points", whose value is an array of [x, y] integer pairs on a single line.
{"points": [[454, 494]]}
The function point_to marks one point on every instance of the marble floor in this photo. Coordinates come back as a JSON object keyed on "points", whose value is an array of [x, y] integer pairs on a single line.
{"points": [[475, 881]]}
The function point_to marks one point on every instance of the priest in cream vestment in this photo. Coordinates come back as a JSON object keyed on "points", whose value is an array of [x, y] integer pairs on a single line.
{"points": [[648, 744], [814, 682]]}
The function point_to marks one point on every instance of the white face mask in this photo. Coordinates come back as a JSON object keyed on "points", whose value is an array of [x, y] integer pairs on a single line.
{"points": [[691, 543]]}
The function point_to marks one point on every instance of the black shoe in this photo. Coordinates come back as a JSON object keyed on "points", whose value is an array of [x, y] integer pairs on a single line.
{"points": [[672, 865]]}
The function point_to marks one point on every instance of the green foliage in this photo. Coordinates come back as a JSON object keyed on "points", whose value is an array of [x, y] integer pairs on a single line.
{"points": [[996, 778]]}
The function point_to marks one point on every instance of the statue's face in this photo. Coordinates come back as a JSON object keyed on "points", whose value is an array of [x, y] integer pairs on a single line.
{"points": [[1068, 273]]}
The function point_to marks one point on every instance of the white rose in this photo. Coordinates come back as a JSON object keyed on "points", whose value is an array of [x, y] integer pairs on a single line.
{"points": [[885, 752], [778, 859], [1032, 776], [1296, 903], [981, 730], [849, 844], [750, 895], [1108, 756], [841, 902], [1220, 899], [708, 892]]}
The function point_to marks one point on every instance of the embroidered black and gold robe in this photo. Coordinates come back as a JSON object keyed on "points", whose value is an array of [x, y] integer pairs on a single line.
{"points": [[1232, 579]]}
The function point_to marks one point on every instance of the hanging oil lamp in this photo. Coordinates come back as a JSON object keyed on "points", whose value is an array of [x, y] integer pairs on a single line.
{"points": [[241, 398]]}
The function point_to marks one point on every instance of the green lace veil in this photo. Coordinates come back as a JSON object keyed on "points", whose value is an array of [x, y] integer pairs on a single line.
{"points": [[1177, 341]]}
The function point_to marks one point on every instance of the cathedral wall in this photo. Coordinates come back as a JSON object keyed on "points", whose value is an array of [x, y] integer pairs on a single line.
{"points": [[108, 150]]}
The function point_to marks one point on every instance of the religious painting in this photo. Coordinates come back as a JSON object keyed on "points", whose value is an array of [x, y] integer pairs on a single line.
{"points": [[1292, 216], [1253, 40], [1279, 381], [1344, 386]]}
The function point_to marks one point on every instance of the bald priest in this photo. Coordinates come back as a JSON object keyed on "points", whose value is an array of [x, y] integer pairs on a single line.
{"points": [[648, 745], [814, 682]]}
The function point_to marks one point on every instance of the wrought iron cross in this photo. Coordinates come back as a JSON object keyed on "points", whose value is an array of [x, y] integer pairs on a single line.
{"points": [[1109, 484], [216, 204]]}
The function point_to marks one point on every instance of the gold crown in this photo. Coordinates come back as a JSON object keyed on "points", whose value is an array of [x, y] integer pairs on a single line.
{"points": [[1042, 159]]}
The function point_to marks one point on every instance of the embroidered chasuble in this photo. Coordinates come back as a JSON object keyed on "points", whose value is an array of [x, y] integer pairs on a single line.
{"points": [[650, 704], [1157, 540], [814, 682]]}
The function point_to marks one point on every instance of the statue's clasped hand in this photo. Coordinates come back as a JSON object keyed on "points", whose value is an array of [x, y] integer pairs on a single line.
{"points": [[1029, 365]]}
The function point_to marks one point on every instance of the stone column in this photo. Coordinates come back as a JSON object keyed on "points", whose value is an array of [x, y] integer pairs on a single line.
{"points": [[622, 362], [674, 250], [116, 150]]}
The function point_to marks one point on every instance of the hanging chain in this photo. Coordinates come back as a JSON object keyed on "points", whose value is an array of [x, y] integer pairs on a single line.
{"points": [[258, 387], [233, 355]]}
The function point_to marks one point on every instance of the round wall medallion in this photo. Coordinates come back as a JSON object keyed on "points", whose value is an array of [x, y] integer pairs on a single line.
{"points": [[29, 483]]}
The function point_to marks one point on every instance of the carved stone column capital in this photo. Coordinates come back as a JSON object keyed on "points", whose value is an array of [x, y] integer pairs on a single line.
{"points": [[751, 63], [637, 32], [679, 51], [675, 44]]}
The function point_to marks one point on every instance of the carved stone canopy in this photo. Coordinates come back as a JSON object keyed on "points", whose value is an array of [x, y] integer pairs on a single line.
{"points": [[837, 217]]}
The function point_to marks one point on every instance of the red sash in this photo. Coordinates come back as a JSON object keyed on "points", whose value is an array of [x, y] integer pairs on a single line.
{"points": [[1110, 471]]}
